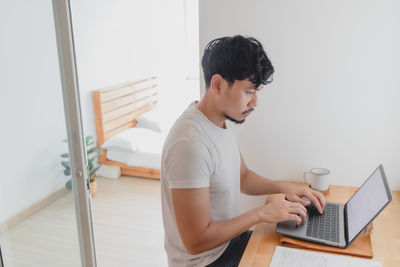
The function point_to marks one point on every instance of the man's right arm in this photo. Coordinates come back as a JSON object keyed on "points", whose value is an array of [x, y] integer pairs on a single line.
{"points": [[199, 233]]}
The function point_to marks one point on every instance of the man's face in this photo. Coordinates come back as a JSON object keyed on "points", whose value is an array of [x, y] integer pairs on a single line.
{"points": [[239, 100]]}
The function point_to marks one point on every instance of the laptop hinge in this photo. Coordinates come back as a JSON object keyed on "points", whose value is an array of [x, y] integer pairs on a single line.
{"points": [[346, 234], [1, 259]]}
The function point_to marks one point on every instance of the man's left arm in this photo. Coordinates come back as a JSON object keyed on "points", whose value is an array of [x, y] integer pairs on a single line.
{"points": [[253, 184]]}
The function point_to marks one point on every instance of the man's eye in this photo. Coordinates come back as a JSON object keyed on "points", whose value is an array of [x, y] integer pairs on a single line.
{"points": [[250, 92]]}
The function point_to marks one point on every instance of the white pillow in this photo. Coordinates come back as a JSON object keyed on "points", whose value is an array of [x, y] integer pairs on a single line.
{"points": [[136, 139], [144, 122], [160, 119]]}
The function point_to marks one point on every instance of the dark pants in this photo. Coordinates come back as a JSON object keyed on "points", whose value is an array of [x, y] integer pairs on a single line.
{"points": [[233, 253]]}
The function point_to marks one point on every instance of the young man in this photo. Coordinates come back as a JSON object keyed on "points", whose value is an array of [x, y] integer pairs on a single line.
{"points": [[203, 172]]}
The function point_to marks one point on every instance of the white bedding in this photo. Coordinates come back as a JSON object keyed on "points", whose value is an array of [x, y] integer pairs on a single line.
{"points": [[140, 146], [136, 147], [136, 158]]}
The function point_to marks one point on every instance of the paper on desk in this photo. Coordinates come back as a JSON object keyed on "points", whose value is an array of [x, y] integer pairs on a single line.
{"points": [[290, 257]]}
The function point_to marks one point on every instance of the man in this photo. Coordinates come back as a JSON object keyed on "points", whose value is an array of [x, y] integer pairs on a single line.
{"points": [[203, 172]]}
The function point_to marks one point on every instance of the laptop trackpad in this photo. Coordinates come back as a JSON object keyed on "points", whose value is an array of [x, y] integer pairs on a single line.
{"points": [[291, 225]]}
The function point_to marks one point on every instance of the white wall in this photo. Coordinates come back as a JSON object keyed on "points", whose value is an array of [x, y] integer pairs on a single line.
{"points": [[31, 106], [334, 99], [119, 41], [115, 42]]}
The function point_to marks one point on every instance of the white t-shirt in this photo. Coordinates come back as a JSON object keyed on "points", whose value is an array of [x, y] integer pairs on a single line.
{"points": [[199, 154]]}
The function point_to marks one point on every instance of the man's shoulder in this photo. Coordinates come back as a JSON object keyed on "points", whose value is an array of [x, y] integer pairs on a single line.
{"points": [[186, 137], [185, 133], [187, 126]]}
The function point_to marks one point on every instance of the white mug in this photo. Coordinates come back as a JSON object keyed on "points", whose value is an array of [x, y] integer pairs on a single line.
{"points": [[318, 178]]}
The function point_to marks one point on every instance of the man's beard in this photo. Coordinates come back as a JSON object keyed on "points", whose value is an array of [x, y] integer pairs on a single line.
{"points": [[237, 121], [232, 119]]}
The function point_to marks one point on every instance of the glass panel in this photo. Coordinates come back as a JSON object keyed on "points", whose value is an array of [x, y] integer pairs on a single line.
{"points": [[117, 42], [37, 211]]}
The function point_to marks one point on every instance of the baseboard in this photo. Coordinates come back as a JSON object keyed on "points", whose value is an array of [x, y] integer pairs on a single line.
{"points": [[35, 207]]}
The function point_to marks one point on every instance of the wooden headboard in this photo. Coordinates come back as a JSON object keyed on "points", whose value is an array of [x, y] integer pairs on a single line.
{"points": [[116, 109]]}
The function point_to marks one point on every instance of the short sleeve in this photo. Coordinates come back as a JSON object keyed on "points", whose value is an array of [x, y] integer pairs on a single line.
{"points": [[188, 164]]}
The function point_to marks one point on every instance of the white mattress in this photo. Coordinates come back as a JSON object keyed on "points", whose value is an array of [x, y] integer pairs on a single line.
{"points": [[135, 158], [147, 154], [137, 147]]}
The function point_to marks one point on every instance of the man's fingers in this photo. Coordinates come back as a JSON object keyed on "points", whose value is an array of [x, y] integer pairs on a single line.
{"points": [[302, 201], [297, 208], [293, 217], [314, 200], [295, 205], [321, 198]]}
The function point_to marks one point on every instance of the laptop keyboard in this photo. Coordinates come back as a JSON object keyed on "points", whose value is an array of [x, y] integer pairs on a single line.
{"points": [[326, 225]]}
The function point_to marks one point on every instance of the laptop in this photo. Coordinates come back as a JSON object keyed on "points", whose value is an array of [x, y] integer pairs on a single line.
{"points": [[339, 225]]}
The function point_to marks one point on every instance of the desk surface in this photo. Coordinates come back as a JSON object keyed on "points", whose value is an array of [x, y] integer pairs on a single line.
{"points": [[385, 235]]}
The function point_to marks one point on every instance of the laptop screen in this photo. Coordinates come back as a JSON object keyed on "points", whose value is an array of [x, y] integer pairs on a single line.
{"points": [[367, 202]]}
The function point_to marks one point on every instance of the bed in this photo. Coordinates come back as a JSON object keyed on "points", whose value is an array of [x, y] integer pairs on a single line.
{"points": [[117, 110]]}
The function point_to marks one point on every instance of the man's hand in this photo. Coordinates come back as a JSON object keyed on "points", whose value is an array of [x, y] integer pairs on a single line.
{"points": [[295, 193], [281, 210]]}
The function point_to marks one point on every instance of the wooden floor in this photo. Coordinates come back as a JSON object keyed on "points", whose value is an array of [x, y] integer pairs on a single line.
{"points": [[127, 228]]}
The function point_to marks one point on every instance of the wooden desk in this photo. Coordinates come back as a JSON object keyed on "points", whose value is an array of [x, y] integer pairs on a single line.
{"points": [[385, 235]]}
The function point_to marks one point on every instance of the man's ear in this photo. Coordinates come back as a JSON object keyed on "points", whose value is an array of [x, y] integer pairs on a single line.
{"points": [[218, 84]]}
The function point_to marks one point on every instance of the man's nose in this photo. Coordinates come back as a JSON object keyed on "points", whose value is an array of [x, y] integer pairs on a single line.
{"points": [[254, 100]]}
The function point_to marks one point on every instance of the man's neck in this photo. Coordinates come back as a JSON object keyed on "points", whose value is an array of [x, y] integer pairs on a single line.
{"points": [[207, 107]]}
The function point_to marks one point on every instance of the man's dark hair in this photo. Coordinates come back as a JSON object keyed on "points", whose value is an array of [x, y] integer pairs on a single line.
{"points": [[237, 58]]}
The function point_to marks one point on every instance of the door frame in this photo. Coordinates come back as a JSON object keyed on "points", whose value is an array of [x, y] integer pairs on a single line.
{"points": [[76, 143]]}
